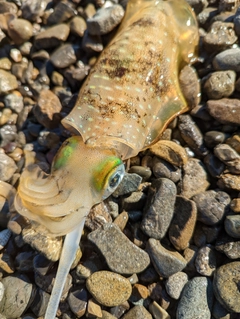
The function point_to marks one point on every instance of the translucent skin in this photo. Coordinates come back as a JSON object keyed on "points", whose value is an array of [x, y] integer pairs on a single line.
{"points": [[124, 105]]}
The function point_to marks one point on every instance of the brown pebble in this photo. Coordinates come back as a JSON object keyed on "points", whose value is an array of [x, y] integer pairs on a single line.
{"points": [[121, 220], [20, 30], [226, 111], [93, 309], [235, 205]]}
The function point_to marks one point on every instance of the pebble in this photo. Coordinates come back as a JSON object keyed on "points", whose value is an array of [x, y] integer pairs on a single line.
{"points": [[229, 247], [117, 289], [18, 291], [213, 138], [113, 245], [220, 84], [227, 60], [62, 12], [40, 302], [78, 26], [235, 205], [196, 300], [14, 101], [170, 152], [77, 301], [157, 311], [232, 225], [183, 223], [206, 261], [52, 37], [190, 85], [220, 36], [50, 247], [20, 30], [163, 169], [142, 171], [229, 181], [194, 180], [47, 109], [93, 309], [159, 208], [175, 284], [105, 19], [41, 264], [32, 10], [5, 64], [212, 206], [137, 312], [234, 142], [214, 166], [192, 135], [130, 183], [120, 310], [4, 237], [8, 82], [106, 315], [121, 220], [64, 56], [166, 262], [190, 254], [7, 167], [225, 283], [98, 216], [229, 157]]}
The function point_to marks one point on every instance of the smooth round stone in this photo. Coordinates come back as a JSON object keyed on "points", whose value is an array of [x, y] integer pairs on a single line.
{"points": [[137, 312], [183, 223], [190, 85], [18, 291], [144, 172], [121, 255], [226, 288], [8, 82], [212, 206], [164, 169], [196, 300], [232, 225], [159, 208], [227, 60], [20, 30], [205, 261], [166, 262], [108, 288], [195, 179], [175, 283], [78, 26], [213, 138], [220, 84]]}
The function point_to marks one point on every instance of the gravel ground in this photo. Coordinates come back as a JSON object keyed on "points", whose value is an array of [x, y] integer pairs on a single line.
{"points": [[166, 244]]}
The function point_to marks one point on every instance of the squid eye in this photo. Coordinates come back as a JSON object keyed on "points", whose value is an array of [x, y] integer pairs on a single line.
{"points": [[113, 180]]}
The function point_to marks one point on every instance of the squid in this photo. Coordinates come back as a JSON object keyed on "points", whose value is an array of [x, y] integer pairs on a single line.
{"points": [[126, 102]]}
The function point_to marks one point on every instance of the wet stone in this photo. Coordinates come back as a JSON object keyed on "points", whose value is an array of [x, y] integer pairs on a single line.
{"points": [[105, 20], [183, 223], [113, 245], [8, 82], [6, 162], [47, 109], [129, 184], [195, 179], [166, 262], [64, 56], [117, 289], [78, 26], [159, 208], [220, 84], [175, 283], [212, 206], [77, 301], [20, 30], [220, 36], [138, 312], [164, 169], [18, 290], [192, 135], [50, 247], [52, 36], [232, 225], [227, 60], [196, 300], [206, 261], [226, 286]]}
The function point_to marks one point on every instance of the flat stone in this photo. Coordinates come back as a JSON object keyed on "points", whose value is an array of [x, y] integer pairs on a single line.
{"points": [[130, 183], [226, 286], [108, 288], [121, 255], [227, 60], [183, 223], [138, 312], [52, 37], [166, 262], [225, 111], [196, 300], [159, 208]]}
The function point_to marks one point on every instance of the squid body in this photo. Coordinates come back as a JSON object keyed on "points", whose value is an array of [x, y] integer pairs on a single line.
{"points": [[129, 97]]}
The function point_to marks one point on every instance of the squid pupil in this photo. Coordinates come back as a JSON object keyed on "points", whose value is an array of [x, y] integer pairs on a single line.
{"points": [[114, 180]]}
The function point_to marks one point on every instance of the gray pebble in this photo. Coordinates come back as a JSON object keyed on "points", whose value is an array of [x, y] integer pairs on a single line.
{"points": [[64, 56], [18, 290], [232, 225], [196, 300], [113, 245], [164, 169], [92, 43], [61, 13], [206, 261], [212, 206], [142, 171], [191, 134], [14, 102], [159, 208], [183, 223], [77, 301], [166, 262], [214, 166], [227, 60], [194, 179], [41, 264], [105, 20], [220, 84], [175, 283], [129, 184], [225, 285]]}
